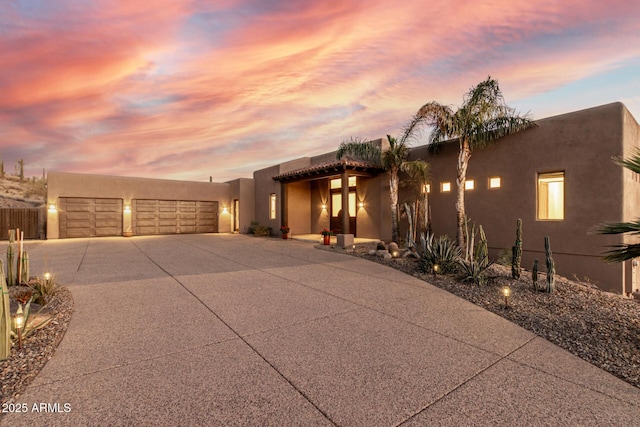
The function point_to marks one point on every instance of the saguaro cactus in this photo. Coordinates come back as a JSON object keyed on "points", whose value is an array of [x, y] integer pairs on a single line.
{"points": [[517, 251], [5, 317], [551, 268], [534, 274], [21, 163], [24, 268], [11, 279]]}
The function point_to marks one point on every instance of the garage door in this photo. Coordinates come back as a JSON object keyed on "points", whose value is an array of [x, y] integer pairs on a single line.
{"points": [[174, 217], [84, 217]]}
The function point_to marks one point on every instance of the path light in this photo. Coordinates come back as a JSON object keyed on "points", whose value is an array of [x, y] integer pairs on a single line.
{"points": [[47, 277], [506, 291], [436, 269], [18, 321]]}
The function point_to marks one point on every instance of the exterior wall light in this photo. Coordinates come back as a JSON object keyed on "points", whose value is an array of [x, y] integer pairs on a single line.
{"points": [[52, 208], [225, 210], [127, 209], [324, 206], [361, 205]]}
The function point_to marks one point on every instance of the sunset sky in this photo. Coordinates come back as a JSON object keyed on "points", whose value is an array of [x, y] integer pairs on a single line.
{"points": [[187, 89]]}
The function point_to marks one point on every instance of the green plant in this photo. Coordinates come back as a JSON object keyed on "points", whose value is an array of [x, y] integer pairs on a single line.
{"points": [[534, 274], [31, 322], [326, 232], [44, 289], [11, 278], [24, 268], [624, 251], [262, 231], [5, 317], [517, 251], [476, 259], [551, 267], [430, 251], [252, 227]]}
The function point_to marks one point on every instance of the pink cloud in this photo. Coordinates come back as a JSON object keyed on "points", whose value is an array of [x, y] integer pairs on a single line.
{"points": [[124, 88]]}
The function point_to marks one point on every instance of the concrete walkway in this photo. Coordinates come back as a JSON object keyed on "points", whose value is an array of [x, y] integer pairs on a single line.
{"points": [[218, 330]]}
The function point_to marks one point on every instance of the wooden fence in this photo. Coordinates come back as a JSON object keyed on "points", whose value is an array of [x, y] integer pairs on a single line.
{"points": [[29, 220]]}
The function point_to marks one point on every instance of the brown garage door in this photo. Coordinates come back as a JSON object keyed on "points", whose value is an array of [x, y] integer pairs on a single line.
{"points": [[174, 217], [84, 217]]}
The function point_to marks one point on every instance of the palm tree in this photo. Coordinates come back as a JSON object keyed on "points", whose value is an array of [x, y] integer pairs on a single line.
{"points": [[624, 251], [483, 118], [391, 160], [418, 171]]}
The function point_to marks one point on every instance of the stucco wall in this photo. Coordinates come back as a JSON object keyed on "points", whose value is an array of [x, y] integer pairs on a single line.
{"points": [[244, 190], [580, 144], [102, 186], [264, 186]]}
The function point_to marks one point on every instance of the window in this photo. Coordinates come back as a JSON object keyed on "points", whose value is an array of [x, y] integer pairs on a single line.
{"points": [[337, 183], [445, 187], [272, 206], [551, 196], [495, 182], [469, 184]]}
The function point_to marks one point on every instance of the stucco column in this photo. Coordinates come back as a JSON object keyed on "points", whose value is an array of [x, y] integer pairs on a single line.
{"points": [[284, 204], [345, 202]]}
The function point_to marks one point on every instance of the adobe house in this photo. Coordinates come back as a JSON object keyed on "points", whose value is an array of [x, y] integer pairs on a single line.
{"points": [[558, 177]]}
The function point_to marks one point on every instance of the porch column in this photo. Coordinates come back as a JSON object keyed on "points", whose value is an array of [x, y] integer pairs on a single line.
{"points": [[345, 202], [284, 204]]}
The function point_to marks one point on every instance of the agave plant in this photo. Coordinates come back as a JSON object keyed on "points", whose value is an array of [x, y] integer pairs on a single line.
{"points": [[430, 251]]}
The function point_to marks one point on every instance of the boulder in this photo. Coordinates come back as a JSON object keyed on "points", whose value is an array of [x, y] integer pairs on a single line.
{"points": [[381, 246], [387, 255], [392, 247]]}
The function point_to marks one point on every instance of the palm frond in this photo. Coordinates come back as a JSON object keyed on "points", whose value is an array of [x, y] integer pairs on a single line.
{"points": [[632, 227], [623, 253], [359, 149], [632, 163]]}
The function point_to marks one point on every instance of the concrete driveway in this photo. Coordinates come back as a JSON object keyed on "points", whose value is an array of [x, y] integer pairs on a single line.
{"points": [[224, 330]]}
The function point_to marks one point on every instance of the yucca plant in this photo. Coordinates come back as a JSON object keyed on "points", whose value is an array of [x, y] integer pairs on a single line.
{"points": [[476, 259], [30, 324], [44, 289], [431, 251]]}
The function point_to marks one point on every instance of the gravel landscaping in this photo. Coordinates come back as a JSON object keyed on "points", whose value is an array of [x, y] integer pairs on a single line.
{"points": [[600, 327], [22, 366]]}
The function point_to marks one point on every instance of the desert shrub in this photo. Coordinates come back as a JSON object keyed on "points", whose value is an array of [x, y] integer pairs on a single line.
{"points": [[262, 231], [43, 290], [431, 251], [252, 227]]}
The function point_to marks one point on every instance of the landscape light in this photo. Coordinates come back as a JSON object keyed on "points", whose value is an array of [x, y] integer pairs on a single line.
{"points": [[436, 269], [18, 320], [506, 291]]}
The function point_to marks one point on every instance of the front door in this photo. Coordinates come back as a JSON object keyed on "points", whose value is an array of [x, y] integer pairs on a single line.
{"points": [[336, 212]]}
